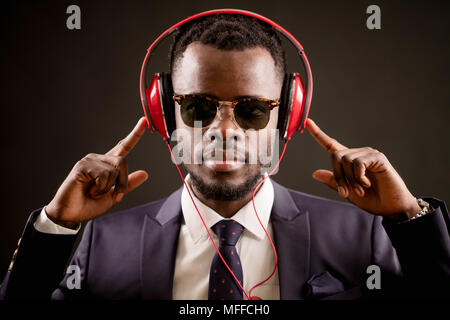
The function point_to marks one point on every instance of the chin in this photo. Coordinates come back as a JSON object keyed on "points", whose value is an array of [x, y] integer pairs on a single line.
{"points": [[225, 185]]}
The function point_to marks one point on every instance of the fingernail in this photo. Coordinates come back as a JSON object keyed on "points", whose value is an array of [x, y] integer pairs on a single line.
{"points": [[341, 191], [359, 190], [119, 197], [366, 183]]}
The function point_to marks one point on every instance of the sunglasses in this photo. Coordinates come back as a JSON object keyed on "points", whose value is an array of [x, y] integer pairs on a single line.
{"points": [[249, 113]]}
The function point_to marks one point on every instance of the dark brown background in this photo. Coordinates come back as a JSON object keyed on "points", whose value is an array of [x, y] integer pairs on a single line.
{"points": [[67, 93]]}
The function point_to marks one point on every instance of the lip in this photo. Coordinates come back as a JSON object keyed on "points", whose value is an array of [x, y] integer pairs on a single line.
{"points": [[223, 166], [220, 163]]}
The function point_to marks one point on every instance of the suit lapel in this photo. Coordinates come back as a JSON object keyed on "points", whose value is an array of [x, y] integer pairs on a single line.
{"points": [[290, 223], [159, 241], [158, 249]]}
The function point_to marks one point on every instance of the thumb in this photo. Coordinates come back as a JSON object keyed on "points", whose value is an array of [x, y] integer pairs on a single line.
{"points": [[135, 179], [326, 177]]}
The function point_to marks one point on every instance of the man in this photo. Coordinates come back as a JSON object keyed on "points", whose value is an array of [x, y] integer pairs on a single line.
{"points": [[161, 250]]}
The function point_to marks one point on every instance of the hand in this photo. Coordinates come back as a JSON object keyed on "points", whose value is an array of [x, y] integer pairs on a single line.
{"points": [[364, 177], [96, 183]]}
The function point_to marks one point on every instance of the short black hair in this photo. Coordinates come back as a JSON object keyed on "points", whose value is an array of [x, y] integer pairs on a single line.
{"points": [[227, 31]]}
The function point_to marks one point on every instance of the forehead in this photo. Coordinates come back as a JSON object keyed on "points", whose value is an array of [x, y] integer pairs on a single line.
{"points": [[226, 74]]}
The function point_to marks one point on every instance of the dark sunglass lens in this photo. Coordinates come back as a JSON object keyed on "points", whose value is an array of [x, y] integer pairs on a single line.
{"points": [[198, 109], [252, 114]]}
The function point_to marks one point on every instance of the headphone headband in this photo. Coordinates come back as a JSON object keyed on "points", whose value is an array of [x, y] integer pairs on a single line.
{"points": [[284, 32]]}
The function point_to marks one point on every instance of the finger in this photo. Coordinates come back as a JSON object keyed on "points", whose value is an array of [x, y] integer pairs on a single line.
{"points": [[359, 168], [328, 143], [326, 177], [101, 179], [129, 142], [338, 171], [348, 158], [135, 179], [122, 180], [360, 172], [119, 163], [103, 176], [373, 161]]}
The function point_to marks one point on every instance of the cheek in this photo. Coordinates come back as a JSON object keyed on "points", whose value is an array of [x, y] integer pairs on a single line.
{"points": [[263, 144], [272, 129], [273, 119], [272, 135], [188, 140], [179, 122]]}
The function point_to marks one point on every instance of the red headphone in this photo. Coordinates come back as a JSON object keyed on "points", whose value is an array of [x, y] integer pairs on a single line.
{"points": [[159, 108]]}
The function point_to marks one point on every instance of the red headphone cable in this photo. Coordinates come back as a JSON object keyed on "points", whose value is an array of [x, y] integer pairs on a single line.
{"points": [[262, 226], [249, 296]]}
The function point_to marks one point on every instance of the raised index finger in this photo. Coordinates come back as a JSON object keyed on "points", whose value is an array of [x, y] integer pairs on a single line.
{"points": [[328, 143], [129, 142]]}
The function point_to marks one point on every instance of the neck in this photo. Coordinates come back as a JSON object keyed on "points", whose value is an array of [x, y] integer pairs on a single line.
{"points": [[226, 209]]}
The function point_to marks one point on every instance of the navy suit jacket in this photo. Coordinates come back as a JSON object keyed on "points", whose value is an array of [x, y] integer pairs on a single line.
{"points": [[324, 249]]}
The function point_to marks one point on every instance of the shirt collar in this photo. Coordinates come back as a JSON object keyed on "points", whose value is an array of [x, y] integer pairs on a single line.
{"points": [[245, 216]]}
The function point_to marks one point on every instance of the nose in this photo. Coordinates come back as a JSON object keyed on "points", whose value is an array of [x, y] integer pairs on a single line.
{"points": [[224, 127]]}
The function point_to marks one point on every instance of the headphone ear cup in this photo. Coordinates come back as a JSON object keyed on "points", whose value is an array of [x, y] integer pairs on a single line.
{"points": [[295, 105], [285, 105], [153, 106], [166, 91], [145, 98]]}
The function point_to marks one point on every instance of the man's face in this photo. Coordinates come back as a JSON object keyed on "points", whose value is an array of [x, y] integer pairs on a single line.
{"points": [[225, 75]]}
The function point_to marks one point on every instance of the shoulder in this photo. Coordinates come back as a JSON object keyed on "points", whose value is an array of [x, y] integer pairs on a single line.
{"points": [[135, 213], [126, 221], [328, 211]]}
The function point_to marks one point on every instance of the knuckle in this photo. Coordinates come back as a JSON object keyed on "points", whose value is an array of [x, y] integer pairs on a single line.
{"points": [[382, 156], [120, 161], [336, 155], [331, 144], [358, 162], [122, 143], [78, 164], [81, 164], [89, 170], [347, 158]]}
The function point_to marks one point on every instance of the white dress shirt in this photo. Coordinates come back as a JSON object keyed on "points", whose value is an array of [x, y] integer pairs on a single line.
{"points": [[45, 225], [195, 250]]}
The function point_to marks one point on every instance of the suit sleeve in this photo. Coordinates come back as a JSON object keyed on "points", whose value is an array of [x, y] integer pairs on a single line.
{"points": [[418, 265], [38, 263], [74, 284]]}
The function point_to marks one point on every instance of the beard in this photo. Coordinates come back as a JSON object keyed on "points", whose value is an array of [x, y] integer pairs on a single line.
{"points": [[226, 191]]}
